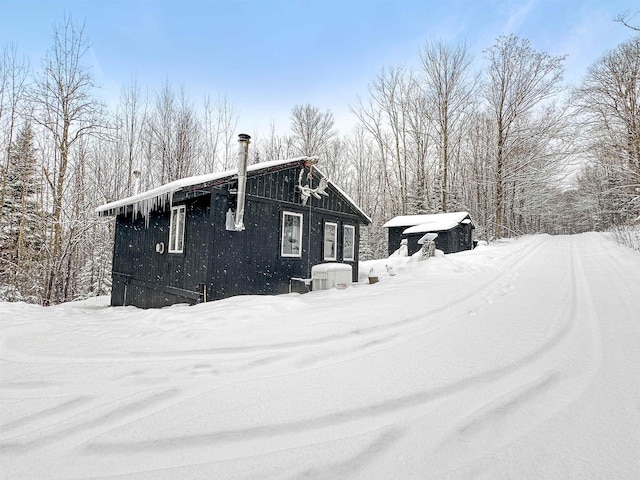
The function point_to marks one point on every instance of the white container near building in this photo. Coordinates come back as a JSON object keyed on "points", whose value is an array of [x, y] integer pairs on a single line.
{"points": [[330, 275]]}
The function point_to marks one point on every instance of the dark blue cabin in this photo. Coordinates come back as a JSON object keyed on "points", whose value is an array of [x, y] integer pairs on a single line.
{"points": [[454, 231], [247, 231]]}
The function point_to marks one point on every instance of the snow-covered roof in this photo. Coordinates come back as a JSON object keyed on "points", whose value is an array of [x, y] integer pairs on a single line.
{"points": [[432, 222], [157, 198]]}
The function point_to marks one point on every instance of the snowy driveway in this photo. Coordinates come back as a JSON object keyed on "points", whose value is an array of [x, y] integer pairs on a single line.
{"points": [[517, 360]]}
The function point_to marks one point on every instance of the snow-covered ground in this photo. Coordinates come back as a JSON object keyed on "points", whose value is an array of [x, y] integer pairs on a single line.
{"points": [[516, 360]]}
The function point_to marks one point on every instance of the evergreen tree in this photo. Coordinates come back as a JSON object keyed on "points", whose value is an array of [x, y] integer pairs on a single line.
{"points": [[21, 225]]}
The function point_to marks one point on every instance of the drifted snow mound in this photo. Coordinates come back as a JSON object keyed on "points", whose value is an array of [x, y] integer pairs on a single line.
{"points": [[395, 264]]}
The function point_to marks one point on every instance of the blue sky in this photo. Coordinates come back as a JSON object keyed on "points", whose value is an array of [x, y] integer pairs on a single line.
{"points": [[268, 56]]}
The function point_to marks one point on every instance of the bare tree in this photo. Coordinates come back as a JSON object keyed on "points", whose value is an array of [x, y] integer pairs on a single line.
{"points": [[446, 84], [130, 118], [65, 107], [312, 130], [274, 146], [519, 80], [160, 136], [173, 137], [219, 124], [628, 17], [187, 143], [216, 132], [609, 100], [386, 117], [610, 96], [227, 123], [365, 183], [478, 168], [371, 120]]}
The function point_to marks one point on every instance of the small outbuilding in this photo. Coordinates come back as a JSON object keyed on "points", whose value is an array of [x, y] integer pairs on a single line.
{"points": [[454, 231], [253, 230]]}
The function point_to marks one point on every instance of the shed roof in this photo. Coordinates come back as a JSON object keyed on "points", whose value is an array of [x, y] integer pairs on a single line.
{"points": [[158, 197], [431, 223], [437, 222]]}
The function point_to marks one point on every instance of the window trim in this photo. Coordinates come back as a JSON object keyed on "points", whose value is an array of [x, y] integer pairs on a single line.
{"points": [[352, 228], [335, 241], [176, 238], [286, 214]]}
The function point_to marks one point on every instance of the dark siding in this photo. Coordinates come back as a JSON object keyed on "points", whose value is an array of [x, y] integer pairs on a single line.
{"points": [[452, 240], [449, 241], [135, 257], [395, 237], [249, 262], [134, 251], [245, 262], [412, 243], [197, 244], [281, 186], [154, 279], [466, 240]]}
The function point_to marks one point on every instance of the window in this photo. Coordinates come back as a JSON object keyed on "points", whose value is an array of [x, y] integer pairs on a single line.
{"points": [[348, 250], [291, 244], [176, 229], [330, 243]]}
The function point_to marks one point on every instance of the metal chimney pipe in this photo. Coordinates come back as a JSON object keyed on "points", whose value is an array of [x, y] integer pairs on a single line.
{"points": [[243, 158], [136, 181]]}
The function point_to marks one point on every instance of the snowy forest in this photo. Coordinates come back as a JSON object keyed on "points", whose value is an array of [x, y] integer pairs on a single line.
{"points": [[492, 130]]}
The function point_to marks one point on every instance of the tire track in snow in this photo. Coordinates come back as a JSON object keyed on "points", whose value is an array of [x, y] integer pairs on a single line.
{"points": [[84, 421], [349, 467], [342, 457], [265, 431], [495, 414], [367, 412], [25, 420]]}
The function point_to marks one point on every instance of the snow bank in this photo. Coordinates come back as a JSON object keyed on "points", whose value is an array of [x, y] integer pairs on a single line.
{"points": [[513, 360]]}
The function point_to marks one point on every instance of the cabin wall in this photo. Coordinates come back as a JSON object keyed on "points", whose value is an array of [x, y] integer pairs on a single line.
{"points": [[243, 262], [318, 218], [466, 237], [146, 278], [450, 241], [394, 238], [249, 262], [457, 239]]}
